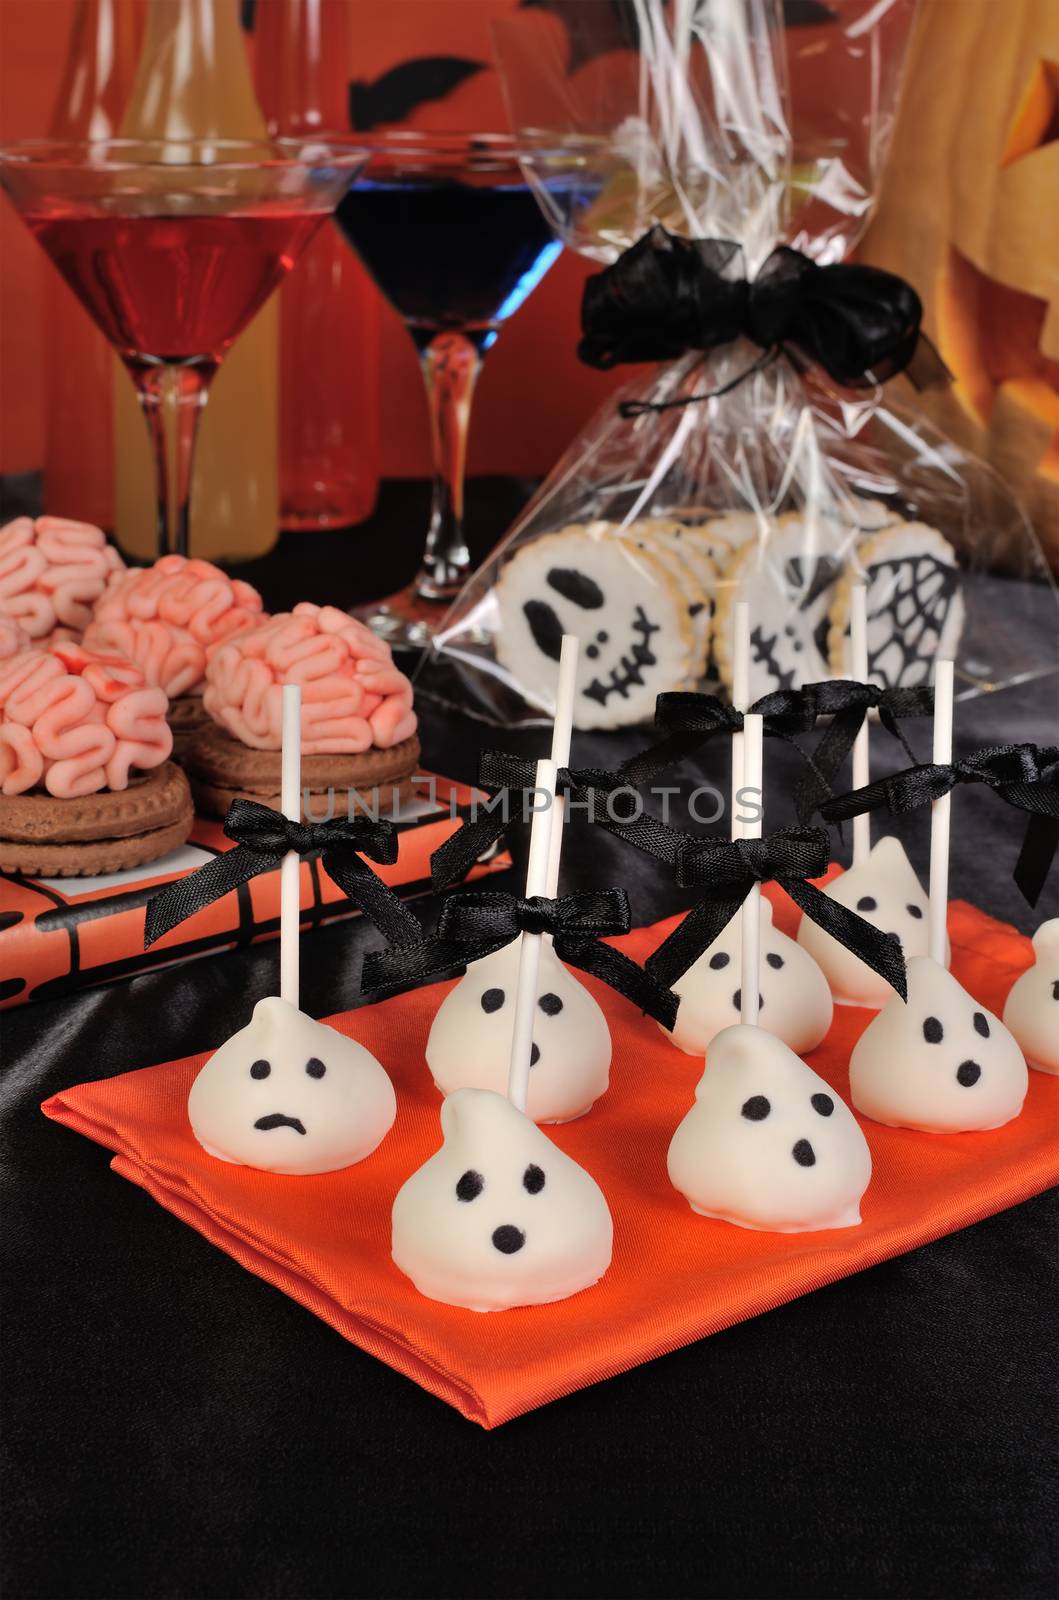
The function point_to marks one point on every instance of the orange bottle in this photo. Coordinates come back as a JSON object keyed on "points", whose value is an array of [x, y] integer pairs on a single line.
{"points": [[78, 442], [329, 339]]}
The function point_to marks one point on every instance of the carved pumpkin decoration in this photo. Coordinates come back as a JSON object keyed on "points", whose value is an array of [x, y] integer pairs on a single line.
{"points": [[969, 214]]}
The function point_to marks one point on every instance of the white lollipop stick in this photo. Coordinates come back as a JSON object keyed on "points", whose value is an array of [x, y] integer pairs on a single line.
{"points": [[530, 947], [940, 810], [562, 730], [750, 975], [290, 867], [858, 652], [740, 693]]}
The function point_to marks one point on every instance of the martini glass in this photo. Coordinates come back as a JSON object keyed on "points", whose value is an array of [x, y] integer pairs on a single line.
{"points": [[450, 230], [172, 246]]}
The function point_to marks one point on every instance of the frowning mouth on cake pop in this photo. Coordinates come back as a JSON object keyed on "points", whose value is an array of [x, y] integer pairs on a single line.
{"points": [[276, 1119]]}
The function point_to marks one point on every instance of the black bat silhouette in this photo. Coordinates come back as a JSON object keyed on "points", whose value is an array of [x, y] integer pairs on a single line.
{"points": [[398, 92]]}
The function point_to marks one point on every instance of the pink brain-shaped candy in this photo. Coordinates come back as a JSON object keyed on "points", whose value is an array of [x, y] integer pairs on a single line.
{"points": [[52, 572], [74, 723], [169, 617], [353, 697]]}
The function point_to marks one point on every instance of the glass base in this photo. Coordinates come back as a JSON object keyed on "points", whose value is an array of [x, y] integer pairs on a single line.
{"points": [[407, 620]]}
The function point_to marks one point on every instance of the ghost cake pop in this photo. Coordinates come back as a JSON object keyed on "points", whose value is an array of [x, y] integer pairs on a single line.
{"points": [[499, 1217], [881, 885], [287, 1094], [1031, 1011], [939, 1062], [767, 1144], [470, 1039]]}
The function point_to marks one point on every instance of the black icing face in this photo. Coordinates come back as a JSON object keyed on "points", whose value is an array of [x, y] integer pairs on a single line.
{"points": [[759, 1108], [909, 601], [262, 1069], [494, 1000], [507, 1238], [621, 656], [950, 1043]]}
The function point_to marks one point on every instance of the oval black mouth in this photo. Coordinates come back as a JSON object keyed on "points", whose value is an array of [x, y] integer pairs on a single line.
{"points": [[276, 1119]]}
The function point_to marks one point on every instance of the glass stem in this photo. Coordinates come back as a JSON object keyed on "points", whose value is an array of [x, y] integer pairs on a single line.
{"points": [[450, 364], [172, 398]]}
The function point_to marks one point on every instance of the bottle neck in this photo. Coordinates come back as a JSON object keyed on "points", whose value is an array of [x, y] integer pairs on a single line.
{"points": [[194, 79]]}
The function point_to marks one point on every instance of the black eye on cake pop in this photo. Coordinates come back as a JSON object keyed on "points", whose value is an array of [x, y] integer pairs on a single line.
{"points": [[756, 1109], [737, 1000], [533, 1179], [470, 1185], [508, 1239], [260, 1069], [314, 1067], [915, 911], [1055, 989], [933, 1032], [721, 959], [867, 902], [804, 1153], [492, 1000], [550, 1004], [774, 961], [822, 1103], [981, 1024], [968, 1074], [535, 1054]]}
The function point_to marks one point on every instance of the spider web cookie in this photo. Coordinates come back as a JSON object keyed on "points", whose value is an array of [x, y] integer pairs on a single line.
{"points": [[623, 605], [915, 608]]}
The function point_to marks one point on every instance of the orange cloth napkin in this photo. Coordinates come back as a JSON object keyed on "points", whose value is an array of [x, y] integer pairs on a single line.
{"points": [[675, 1277]]}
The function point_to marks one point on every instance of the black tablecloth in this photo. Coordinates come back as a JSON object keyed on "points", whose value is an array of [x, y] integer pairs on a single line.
{"points": [[175, 1427]]}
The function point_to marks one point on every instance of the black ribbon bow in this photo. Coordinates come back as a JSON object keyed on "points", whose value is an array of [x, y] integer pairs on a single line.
{"points": [[596, 792], [848, 702], [263, 837], [1023, 775], [665, 296], [475, 924], [728, 870], [687, 721]]}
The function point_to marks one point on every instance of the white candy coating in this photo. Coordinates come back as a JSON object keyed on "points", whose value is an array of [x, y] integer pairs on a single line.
{"points": [[941, 1063], [795, 999], [499, 1217], [470, 1039], [768, 1144], [1031, 1010], [885, 891], [261, 1100]]}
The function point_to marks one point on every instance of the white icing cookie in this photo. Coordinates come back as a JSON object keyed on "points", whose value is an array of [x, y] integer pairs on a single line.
{"points": [[287, 1094], [795, 998], [941, 1063], [768, 1144], [499, 1217], [787, 585], [885, 891], [627, 611], [470, 1038], [1031, 1010], [915, 608], [698, 604]]}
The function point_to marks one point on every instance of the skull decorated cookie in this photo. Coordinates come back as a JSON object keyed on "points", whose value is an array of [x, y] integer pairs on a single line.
{"points": [[499, 1217], [624, 607], [885, 891], [470, 1039], [940, 1063], [768, 1144], [795, 1000], [913, 601], [288, 1094], [1031, 1011]]}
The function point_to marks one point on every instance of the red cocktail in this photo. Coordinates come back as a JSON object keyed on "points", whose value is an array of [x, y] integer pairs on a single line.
{"points": [[172, 247]]}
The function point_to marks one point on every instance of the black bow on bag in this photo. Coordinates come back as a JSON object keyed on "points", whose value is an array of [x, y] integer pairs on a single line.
{"points": [[688, 720], [727, 871], [1023, 775], [476, 924], [665, 296], [598, 793], [848, 702], [263, 837]]}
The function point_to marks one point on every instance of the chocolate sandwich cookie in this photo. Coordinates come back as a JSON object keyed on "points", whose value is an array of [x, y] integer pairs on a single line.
{"points": [[44, 837], [187, 716], [223, 769]]}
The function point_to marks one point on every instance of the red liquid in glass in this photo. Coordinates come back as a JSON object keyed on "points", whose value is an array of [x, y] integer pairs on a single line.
{"points": [[174, 288]]}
